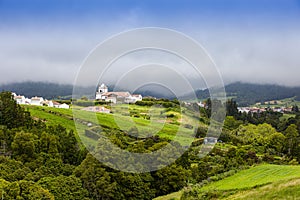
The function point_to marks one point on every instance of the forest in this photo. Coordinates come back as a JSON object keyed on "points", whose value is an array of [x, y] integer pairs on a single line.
{"points": [[39, 160]]}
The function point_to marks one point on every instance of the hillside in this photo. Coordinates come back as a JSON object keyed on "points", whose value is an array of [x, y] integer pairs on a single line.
{"points": [[55, 116], [246, 94], [44, 89], [64, 91], [260, 182], [40, 152], [280, 190]]}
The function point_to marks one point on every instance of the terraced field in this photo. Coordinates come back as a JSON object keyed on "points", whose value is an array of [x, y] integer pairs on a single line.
{"points": [[157, 124]]}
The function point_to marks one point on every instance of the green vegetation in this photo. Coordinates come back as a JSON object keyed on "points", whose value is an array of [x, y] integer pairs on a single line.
{"points": [[279, 190], [258, 181], [256, 176], [43, 155]]}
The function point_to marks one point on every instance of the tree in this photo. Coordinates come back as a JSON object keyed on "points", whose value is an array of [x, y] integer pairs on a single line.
{"points": [[292, 140], [231, 123], [170, 179], [231, 108], [26, 190], [23, 146], [12, 115], [295, 109], [95, 179], [64, 187]]}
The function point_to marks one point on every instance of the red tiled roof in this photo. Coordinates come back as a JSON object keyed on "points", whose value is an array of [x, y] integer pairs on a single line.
{"points": [[19, 97], [36, 98], [119, 94]]}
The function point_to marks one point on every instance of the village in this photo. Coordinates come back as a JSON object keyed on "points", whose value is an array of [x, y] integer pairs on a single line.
{"points": [[102, 94], [38, 101], [117, 97]]}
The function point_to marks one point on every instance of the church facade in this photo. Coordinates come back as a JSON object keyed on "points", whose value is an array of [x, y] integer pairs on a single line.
{"points": [[103, 94]]}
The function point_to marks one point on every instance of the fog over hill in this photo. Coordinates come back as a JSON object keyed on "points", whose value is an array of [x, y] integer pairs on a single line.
{"points": [[244, 93]]}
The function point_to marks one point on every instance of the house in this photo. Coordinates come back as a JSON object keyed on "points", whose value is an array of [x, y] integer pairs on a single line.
{"points": [[201, 105], [137, 97], [59, 105], [64, 105], [56, 104], [48, 103], [37, 101], [27, 101], [19, 99]]}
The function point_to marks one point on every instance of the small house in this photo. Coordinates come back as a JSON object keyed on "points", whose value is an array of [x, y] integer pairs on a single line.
{"points": [[19, 99], [37, 101]]}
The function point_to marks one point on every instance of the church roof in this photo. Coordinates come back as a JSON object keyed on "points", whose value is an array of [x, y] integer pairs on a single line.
{"points": [[118, 94]]}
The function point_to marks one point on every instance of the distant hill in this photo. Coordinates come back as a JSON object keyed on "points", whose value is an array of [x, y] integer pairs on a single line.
{"points": [[44, 89], [64, 91], [247, 94], [244, 93]]}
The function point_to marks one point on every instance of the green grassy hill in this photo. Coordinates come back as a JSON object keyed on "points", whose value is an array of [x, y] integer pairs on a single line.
{"points": [[260, 182], [256, 176], [160, 125], [276, 191]]}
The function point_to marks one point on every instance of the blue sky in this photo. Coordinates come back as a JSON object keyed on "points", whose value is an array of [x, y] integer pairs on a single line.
{"points": [[250, 40]]}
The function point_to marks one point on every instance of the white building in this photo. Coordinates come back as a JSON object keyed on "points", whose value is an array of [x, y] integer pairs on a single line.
{"points": [[116, 97], [19, 99], [37, 101], [58, 105], [48, 103], [64, 105], [137, 97], [101, 90]]}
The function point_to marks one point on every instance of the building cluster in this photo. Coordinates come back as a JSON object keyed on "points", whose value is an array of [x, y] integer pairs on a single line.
{"points": [[259, 110], [38, 101], [116, 97]]}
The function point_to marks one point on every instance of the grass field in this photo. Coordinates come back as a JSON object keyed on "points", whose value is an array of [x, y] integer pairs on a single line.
{"points": [[159, 125], [287, 116], [172, 196], [256, 176], [281, 190], [260, 182]]}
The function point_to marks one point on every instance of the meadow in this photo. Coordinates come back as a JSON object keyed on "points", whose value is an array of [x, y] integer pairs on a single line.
{"points": [[256, 176], [264, 181], [148, 120]]}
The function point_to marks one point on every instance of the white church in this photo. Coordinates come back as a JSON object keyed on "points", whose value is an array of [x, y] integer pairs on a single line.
{"points": [[116, 97]]}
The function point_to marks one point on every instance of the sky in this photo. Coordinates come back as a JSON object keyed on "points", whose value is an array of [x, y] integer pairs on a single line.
{"points": [[256, 41]]}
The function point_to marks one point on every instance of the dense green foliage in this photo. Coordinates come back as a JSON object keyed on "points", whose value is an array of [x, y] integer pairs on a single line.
{"points": [[40, 161], [41, 157]]}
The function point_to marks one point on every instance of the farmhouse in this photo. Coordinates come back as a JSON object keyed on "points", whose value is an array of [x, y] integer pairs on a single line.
{"points": [[116, 97], [19, 99], [59, 105], [48, 103], [37, 101]]}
